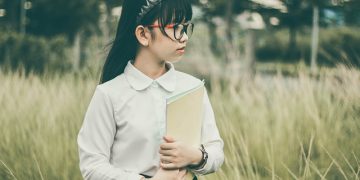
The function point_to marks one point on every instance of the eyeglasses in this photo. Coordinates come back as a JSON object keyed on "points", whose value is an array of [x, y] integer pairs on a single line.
{"points": [[179, 29]]}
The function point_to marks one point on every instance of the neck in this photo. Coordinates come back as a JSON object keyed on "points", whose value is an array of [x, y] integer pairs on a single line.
{"points": [[151, 66]]}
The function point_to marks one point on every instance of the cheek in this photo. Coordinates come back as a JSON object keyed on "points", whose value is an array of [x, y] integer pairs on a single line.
{"points": [[164, 47], [163, 51]]}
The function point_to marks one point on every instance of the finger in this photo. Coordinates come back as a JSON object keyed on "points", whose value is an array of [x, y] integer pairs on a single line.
{"points": [[169, 139], [166, 152], [168, 166], [167, 146], [166, 159]]}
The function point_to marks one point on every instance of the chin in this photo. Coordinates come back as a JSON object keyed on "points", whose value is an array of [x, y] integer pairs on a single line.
{"points": [[175, 59]]}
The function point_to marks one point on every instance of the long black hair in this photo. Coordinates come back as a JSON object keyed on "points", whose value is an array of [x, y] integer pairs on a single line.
{"points": [[125, 45]]}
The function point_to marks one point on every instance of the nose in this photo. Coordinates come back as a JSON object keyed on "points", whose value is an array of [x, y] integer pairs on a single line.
{"points": [[184, 38]]}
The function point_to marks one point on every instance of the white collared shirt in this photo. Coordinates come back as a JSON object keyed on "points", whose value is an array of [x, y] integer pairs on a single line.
{"points": [[125, 122]]}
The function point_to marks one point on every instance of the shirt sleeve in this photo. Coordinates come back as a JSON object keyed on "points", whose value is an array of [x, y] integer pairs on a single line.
{"points": [[211, 140], [95, 140]]}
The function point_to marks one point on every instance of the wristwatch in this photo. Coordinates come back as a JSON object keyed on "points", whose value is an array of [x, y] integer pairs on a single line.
{"points": [[203, 159]]}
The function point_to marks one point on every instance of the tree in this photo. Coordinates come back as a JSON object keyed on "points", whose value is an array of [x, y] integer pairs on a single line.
{"points": [[298, 14], [76, 19], [50, 18], [316, 5], [228, 10], [108, 25], [315, 38], [2, 9], [351, 11], [12, 18], [225, 11]]}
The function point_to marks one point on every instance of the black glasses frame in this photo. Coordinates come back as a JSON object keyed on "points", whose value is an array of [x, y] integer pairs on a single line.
{"points": [[184, 30], [175, 26]]}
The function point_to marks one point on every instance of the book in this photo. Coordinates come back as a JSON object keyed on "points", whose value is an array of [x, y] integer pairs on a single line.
{"points": [[184, 114]]}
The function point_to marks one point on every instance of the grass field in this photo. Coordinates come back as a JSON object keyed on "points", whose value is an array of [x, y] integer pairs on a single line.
{"points": [[273, 128]]}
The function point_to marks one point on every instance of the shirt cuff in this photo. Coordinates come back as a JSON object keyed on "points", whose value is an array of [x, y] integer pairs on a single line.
{"points": [[202, 171], [213, 163], [205, 167]]}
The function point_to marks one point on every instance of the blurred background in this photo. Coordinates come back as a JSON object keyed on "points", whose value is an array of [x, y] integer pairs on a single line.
{"points": [[63, 36], [283, 77]]}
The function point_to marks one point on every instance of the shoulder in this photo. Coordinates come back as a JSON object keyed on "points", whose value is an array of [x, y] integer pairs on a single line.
{"points": [[181, 76], [186, 80], [114, 86]]}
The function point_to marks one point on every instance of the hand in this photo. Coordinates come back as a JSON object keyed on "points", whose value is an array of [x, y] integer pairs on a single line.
{"points": [[175, 154], [162, 174]]}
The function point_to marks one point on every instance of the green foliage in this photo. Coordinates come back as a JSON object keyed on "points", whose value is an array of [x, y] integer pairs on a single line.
{"points": [[216, 7], [299, 14], [351, 10], [336, 45], [340, 45], [56, 17], [34, 53], [113, 3]]}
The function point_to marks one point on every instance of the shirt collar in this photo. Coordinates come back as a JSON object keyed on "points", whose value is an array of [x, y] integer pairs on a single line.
{"points": [[139, 81]]}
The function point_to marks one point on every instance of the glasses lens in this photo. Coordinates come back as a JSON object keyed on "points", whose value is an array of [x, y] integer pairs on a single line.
{"points": [[180, 29], [189, 30]]}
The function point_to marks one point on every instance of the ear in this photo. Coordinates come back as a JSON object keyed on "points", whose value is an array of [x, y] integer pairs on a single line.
{"points": [[142, 35]]}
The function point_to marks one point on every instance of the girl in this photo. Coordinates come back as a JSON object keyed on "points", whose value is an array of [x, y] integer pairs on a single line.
{"points": [[122, 136]]}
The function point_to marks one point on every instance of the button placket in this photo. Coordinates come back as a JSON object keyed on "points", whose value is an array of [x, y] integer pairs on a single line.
{"points": [[158, 110], [162, 118]]}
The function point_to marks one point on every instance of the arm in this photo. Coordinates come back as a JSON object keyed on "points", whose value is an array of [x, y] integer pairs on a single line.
{"points": [[95, 140], [211, 140]]}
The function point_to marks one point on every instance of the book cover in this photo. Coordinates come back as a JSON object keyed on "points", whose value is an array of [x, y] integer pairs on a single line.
{"points": [[184, 114]]}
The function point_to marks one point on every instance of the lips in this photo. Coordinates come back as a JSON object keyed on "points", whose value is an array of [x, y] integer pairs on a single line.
{"points": [[182, 48]]}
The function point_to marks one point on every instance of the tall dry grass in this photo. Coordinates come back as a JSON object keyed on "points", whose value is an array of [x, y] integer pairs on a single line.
{"points": [[291, 128], [273, 128]]}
